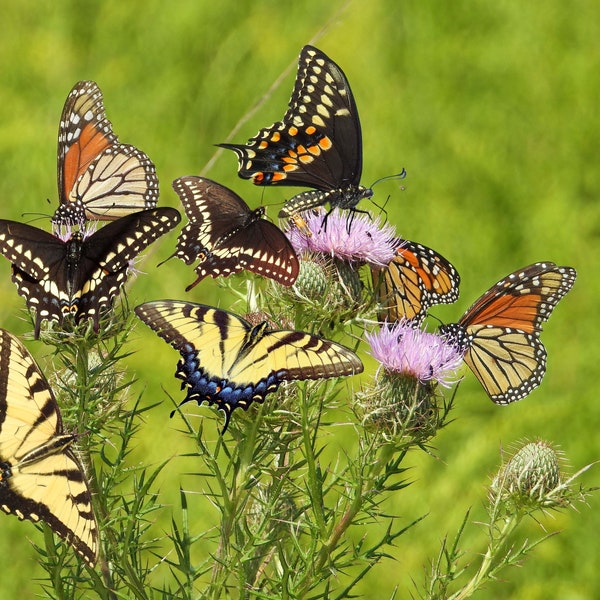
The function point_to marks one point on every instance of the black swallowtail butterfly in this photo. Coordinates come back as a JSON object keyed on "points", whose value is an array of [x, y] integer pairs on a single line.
{"points": [[81, 273], [227, 237], [318, 143]]}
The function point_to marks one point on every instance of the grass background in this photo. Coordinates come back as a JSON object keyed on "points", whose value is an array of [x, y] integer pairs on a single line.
{"points": [[491, 108]]}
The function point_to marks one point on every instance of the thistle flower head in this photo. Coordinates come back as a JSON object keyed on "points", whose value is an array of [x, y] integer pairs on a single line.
{"points": [[353, 238], [404, 401], [404, 349]]}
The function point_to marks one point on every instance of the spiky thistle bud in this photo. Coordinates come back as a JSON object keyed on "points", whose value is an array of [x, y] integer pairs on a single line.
{"points": [[529, 476]]}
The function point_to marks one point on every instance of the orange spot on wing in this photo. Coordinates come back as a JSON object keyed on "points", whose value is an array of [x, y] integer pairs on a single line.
{"points": [[325, 143]]}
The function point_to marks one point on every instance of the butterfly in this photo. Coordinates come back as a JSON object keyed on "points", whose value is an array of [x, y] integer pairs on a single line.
{"points": [[227, 237], [500, 333], [41, 478], [318, 144], [228, 362], [98, 178], [415, 279], [80, 274]]}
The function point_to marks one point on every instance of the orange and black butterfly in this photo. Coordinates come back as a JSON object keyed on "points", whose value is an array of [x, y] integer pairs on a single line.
{"points": [[500, 333], [317, 144], [98, 178], [414, 280]]}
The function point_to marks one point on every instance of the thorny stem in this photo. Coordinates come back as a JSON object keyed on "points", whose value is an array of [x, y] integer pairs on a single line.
{"points": [[496, 541]]}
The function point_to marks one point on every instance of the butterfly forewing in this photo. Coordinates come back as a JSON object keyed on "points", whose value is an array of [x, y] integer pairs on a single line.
{"points": [[41, 477], [500, 333], [98, 178], [524, 299], [226, 237], [84, 132], [416, 279], [299, 355]]}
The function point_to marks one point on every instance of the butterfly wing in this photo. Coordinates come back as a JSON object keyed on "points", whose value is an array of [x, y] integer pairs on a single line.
{"points": [[227, 362], [227, 237], [80, 276], [500, 332], [416, 279], [318, 144], [38, 268], [41, 478], [98, 178], [108, 255]]}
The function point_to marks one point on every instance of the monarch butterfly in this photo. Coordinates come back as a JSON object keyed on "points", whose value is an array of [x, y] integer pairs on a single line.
{"points": [[227, 237], [414, 280], [318, 143], [98, 178], [500, 333]]}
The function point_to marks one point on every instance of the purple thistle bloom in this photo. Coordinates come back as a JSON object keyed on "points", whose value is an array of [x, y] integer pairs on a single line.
{"points": [[368, 240], [402, 348], [65, 232]]}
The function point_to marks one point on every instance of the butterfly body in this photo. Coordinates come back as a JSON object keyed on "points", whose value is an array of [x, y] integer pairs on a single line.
{"points": [[230, 363], [98, 178], [79, 275], [500, 333], [345, 198], [317, 144], [41, 478], [225, 236]]}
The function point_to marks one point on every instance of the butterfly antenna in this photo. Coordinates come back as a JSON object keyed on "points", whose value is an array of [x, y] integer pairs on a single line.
{"points": [[36, 216], [400, 175]]}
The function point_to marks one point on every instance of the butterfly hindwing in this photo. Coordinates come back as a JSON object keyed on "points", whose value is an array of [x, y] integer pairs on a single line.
{"points": [[500, 333], [226, 237], [79, 275], [98, 178], [416, 279], [40, 477], [228, 362], [318, 144]]}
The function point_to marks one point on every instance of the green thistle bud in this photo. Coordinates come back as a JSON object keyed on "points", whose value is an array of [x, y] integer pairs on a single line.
{"points": [[312, 280], [401, 406], [530, 475]]}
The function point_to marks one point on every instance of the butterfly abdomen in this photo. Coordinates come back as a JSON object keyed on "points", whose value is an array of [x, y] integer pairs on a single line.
{"points": [[347, 197]]}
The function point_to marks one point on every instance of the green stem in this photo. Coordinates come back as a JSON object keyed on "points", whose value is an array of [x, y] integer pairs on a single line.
{"points": [[495, 543]]}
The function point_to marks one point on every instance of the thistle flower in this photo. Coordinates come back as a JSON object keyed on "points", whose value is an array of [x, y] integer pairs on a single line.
{"points": [[404, 400], [354, 238], [66, 232], [404, 349]]}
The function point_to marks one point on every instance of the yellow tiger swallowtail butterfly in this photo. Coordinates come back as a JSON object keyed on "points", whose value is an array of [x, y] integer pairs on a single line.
{"points": [[229, 362], [41, 479]]}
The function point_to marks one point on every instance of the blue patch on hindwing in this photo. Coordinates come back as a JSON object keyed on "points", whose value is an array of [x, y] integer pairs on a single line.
{"points": [[227, 395]]}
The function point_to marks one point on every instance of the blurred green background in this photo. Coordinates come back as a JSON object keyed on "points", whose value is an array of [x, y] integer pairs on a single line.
{"points": [[491, 108]]}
